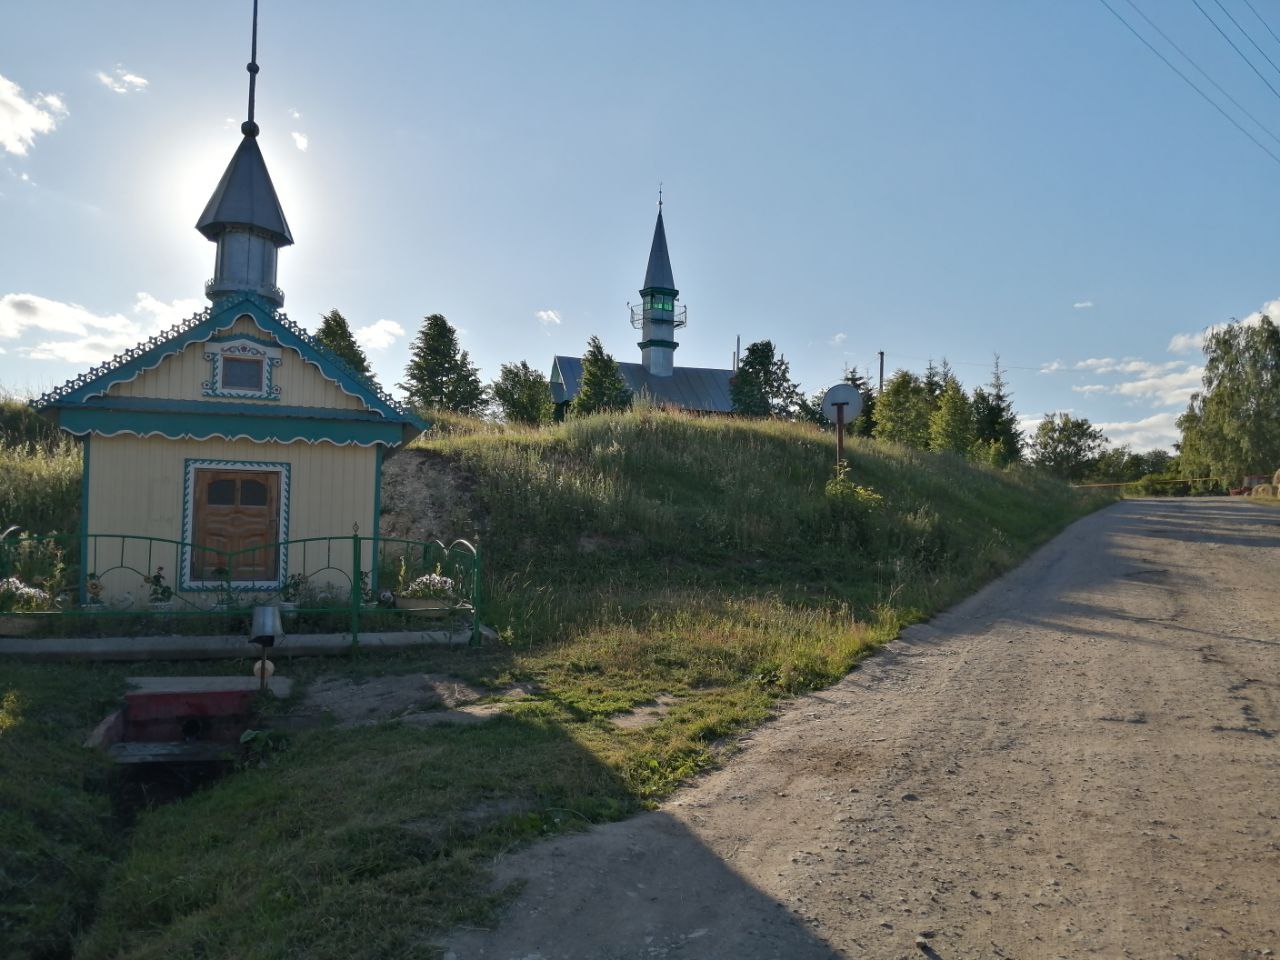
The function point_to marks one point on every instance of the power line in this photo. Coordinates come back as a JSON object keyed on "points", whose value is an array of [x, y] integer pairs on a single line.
{"points": [[1247, 36], [1217, 86], [1241, 53], [1191, 83], [1261, 21]]}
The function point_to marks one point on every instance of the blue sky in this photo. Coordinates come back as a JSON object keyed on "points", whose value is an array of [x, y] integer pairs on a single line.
{"points": [[934, 179]]}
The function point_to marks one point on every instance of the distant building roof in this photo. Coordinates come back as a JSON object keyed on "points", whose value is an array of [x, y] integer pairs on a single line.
{"points": [[689, 388], [658, 275], [245, 197]]}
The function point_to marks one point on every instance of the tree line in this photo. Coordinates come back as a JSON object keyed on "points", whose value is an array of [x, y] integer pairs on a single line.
{"points": [[929, 411]]}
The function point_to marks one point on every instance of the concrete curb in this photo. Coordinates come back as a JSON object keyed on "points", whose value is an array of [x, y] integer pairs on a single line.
{"points": [[223, 647]]}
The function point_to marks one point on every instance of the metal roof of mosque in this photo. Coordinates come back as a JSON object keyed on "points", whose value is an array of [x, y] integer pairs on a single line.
{"points": [[689, 388]]}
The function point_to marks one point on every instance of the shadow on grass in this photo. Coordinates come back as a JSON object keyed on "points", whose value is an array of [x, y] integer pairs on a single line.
{"points": [[372, 842]]}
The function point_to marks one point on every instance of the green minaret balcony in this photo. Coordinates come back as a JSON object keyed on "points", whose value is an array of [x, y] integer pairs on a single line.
{"points": [[677, 314]]}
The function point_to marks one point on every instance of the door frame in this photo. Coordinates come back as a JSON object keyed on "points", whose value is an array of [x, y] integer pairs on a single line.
{"points": [[188, 523]]}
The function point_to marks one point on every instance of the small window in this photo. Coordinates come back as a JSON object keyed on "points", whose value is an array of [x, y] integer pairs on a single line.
{"points": [[240, 374], [253, 493], [221, 493]]}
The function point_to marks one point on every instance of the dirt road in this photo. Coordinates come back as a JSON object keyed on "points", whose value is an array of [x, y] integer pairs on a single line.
{"points": [[1082, 760]]}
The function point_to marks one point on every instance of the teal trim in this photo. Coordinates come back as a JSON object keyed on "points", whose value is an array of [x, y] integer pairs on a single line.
{"points": [[221, 409], [202, 426], [190, 465], [206, 324], [669, 344], [84, 519], [349, 382], [377, 519]]}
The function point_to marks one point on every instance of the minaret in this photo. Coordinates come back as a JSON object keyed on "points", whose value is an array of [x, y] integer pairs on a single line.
{"points": [[657, 315], [244, 216]]}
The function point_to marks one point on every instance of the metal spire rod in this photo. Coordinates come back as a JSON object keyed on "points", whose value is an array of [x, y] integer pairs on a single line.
{"points": [[659, 182], [249, 128]]}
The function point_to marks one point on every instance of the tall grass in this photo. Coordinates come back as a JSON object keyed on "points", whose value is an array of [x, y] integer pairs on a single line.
{"points": [[40, 472]]}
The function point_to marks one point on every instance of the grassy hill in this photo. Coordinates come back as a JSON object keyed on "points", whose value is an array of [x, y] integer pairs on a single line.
{"points": [[627, 557]]}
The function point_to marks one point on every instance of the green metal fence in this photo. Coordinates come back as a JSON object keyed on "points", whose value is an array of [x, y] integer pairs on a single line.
{"points": [[102, 584]]}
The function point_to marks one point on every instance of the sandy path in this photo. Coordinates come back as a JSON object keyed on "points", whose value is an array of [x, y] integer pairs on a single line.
{"points": [[1082, 760]]}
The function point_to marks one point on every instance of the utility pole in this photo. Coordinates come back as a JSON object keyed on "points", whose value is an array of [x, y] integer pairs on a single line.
{"points": [[881, 352]]}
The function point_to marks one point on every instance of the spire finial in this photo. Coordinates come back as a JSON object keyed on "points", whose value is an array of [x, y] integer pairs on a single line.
{"points": [[659, 186], [249, 128]]}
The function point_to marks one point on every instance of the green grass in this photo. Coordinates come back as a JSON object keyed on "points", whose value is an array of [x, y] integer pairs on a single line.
{"points": [[627, 556], [41, 489]]}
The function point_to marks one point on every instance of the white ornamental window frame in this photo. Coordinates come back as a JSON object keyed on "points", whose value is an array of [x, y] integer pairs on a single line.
{"points": [[241, 348]]}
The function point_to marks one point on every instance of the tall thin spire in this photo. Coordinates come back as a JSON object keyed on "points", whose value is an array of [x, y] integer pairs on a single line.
{"points": [[249, 128]]}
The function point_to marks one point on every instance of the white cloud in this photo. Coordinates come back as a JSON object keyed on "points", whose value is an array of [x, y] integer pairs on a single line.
{"points": [[164, 315], [295, 115], [121, 80], [838, 339], [1128, 365], [1165, 390], [1053, 367], [22, 120], [1159, 383], [548, 318], [79, 335], [1194, 342], [1158, 430], [378, 336], [1082, 305], [300, 140]]}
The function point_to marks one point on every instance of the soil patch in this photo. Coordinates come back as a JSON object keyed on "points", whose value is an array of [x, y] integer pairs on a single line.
{"points": [[355, 702], [427, 496], [646, 714]]}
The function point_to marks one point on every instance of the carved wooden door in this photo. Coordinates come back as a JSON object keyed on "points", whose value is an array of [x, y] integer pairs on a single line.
{"points": [[237, 515]]}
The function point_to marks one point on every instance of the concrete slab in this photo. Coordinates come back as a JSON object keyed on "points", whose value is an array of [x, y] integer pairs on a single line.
{"points": [[280, 686], [177, 647]]}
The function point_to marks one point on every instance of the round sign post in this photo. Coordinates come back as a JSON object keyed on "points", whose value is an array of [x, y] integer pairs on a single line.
{"points": [[841, 404]]}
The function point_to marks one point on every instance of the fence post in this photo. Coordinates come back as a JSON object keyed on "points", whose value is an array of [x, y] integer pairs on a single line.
{"points": [[355, 584], [475, 595]]}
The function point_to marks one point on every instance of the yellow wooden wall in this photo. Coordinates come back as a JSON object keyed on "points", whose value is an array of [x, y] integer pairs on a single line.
{"points": [[179, 377], [136, 487]]}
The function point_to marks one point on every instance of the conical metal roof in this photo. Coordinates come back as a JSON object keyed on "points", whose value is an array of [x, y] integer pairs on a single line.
{"points": [[658, 274], [245, 197]]}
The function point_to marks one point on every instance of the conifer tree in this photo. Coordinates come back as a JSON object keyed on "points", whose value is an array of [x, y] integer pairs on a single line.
{"points": [[439, 374], [951, 423], [335, 333], [602, 387], [902, 411], [998, 438], [865, 421], [934, 381], [523, 394]]}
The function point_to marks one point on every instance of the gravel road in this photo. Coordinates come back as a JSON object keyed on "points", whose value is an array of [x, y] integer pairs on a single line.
{"points": [[1081, 760]]}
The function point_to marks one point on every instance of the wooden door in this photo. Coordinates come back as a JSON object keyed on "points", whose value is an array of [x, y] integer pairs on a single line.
{"points": [[235, 511]]}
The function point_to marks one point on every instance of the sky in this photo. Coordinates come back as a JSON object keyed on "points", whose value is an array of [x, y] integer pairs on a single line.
{"points": [[931, 179]]}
